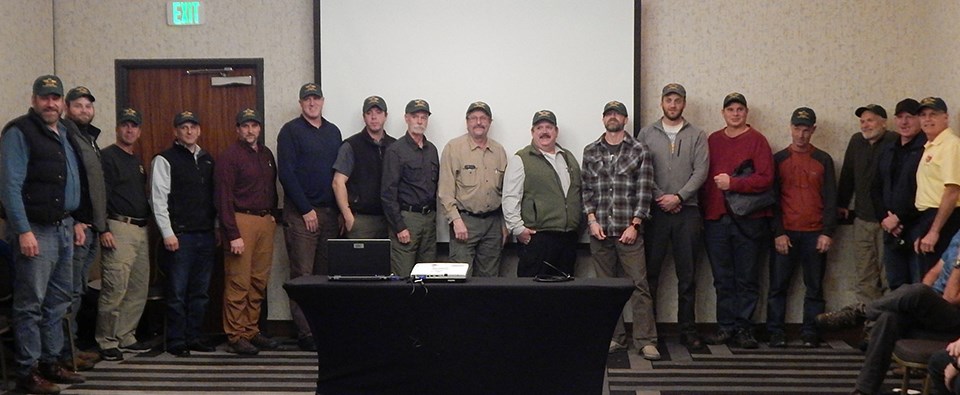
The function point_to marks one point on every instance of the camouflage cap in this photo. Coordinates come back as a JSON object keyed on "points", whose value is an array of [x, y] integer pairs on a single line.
{"points": [[544, 115], [129, 114], [615, 106], [803, 116], [479, 105], [674, 87], [735, 97], [310, 89], [935, 103], [249, 114], [78, 92], [184, 117], [374, 101], [48, 85], [417, 105], [874, 108]]}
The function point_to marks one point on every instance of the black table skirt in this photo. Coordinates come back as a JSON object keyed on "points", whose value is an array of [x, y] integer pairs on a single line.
{"points": [[485, 336]]}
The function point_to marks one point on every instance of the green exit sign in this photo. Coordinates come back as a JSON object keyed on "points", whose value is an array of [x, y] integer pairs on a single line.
{"points": [[184, 13]]}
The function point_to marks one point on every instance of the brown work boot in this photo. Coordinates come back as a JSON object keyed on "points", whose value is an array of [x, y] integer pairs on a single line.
{"points": [[90, 356], [847, 317], [36, 384], [78, 364], [57, 374]]}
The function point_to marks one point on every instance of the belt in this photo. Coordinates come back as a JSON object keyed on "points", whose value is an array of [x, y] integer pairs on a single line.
{"points": [[425, 209], [259, 213], [482, 215], [141, 222]]}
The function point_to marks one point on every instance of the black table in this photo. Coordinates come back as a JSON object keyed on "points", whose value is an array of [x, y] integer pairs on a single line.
{"points": [[485, 336]]}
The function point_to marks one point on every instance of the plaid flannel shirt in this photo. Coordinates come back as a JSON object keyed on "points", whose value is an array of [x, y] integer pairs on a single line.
{"points": [[617, 187]]}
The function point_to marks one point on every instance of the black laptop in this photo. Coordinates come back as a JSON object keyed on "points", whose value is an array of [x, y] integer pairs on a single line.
{"points": [[359, 259]]}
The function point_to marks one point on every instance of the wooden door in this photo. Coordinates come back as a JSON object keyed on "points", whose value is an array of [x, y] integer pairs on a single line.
{"points": [[160, 89]]}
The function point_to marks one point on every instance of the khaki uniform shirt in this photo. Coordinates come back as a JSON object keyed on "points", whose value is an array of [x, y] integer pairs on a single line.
{"points": [[471, 178]]}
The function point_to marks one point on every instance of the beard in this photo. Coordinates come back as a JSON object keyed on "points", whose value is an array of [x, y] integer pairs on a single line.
{"points": [[613, 126]]}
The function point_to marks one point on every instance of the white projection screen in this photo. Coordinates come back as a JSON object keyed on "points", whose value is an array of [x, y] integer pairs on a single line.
{"points": [[518, 56]]}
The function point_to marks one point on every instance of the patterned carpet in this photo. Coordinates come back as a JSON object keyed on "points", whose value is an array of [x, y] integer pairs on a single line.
{"points": [[830, 369]]}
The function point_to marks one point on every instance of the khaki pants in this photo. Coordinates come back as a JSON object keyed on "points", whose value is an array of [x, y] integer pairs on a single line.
{"points": [[368, 227], [422, 246], [483, 245], [609, 255], [246, 276], [868, 242], [125, 272]]}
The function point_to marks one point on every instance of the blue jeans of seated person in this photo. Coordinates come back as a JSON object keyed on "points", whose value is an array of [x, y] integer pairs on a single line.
{"points": [[735, 259], [803, 252], [188, 271], [83, 256], [42, 287]]}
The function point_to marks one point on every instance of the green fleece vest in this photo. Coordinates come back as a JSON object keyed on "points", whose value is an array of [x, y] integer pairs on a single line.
{"points": [[543, 206]]}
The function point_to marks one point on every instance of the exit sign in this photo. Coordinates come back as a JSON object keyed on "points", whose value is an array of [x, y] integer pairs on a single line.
{"points": [[184, 13]]}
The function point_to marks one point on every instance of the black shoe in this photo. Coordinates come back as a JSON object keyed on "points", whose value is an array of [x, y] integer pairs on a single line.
{"points": [[722, 337], [111, 354], [307, 344], [136, 348], [264, 343], [692, 341], [242, 347], [36, 384], [179, 351], [54, 372], [744, 339], [847, 317], [199, 346], [810, 341], [778, 340]]}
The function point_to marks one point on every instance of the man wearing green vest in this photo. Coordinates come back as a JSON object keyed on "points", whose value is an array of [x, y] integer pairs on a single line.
{"points": [[541, 201]]}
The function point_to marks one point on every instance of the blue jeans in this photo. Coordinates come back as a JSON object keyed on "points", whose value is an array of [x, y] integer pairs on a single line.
{"points": [[42, 287], [734, 258], [803, 252], [188, 271], [83, 256]]}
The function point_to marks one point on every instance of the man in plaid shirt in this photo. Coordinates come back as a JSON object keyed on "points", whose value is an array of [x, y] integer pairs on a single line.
{"points": [[617, 188]]}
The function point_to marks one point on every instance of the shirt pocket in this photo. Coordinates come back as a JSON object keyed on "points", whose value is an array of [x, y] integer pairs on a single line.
{"points": [[468, 176], [414, 171]]}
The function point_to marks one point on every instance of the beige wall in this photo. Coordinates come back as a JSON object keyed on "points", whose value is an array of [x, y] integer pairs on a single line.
{"points": [[26, 46]]}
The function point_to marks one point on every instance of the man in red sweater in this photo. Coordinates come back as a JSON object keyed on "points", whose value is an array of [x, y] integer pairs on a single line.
{"points": [[803, 224], [734, 242]]}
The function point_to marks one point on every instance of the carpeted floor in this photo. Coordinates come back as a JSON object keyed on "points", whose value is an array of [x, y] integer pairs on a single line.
{"points": [[830, 369]]}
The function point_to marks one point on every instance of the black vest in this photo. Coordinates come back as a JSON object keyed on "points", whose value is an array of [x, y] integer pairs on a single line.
{"points": [[190, 202], [44, 187], [363, 186]]}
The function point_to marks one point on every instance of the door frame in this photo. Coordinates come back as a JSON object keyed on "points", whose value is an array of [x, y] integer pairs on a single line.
{"points": [[122, 69]]}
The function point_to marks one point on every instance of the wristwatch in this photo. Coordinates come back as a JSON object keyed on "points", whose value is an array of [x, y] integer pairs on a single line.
{"points": [[636, 227]]}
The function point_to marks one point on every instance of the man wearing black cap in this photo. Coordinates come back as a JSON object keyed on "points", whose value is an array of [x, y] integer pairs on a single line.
{"points": [[680, 163], [856, 180], [895, 193], [542, 203], [358, 169], [91, 216], [471, 178], [246, 196], [181, 189], [411, 168], [125, 266], [617, 191], [306, 150], [803, 224], [734, 241], [938, 182], [39, 189]]}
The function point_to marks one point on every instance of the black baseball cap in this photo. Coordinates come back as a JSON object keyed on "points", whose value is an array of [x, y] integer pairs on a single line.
{"points": [[907, 105], [803, 116]]}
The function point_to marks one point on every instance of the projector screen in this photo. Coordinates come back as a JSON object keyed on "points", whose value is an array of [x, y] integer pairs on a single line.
{"points": [[568, 56]]}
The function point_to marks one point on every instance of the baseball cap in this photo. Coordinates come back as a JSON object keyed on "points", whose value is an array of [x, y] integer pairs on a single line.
{"points": [[479, 105], [907, 105], [249, 114], [674, 87], [874, 108], [128, 114], [544, 115], [734, 97], [416, 105], [78, 92], [803, 116], [615, 106], [309, 89], [935, 103], [374, 101], [184, 117], [48, 85]]}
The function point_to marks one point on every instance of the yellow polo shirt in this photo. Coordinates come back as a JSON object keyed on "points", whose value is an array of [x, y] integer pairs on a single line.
{"points": [[939, 166]]}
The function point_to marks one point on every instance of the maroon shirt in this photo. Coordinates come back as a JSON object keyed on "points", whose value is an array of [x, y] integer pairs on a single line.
{"points": [[244, 180]]}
